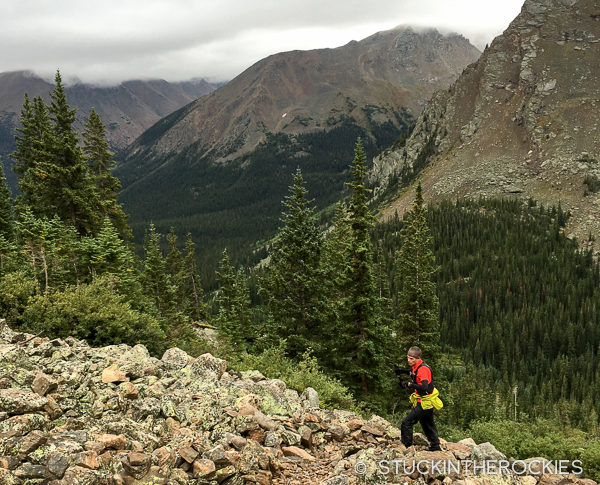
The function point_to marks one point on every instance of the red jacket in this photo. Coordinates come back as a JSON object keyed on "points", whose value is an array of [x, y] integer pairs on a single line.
{"points": [[421, 376]]}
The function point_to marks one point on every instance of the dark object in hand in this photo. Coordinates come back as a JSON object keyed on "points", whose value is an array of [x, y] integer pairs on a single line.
{"points": [[405, 384], [398, 371]]}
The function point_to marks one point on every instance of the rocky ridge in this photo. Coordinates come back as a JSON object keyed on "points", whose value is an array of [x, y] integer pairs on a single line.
{"points": [[369, 81], [521, 122], [72, 414]]}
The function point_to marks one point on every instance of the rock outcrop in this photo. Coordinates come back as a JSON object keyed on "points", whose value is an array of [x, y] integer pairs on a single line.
{"points": [[521, 122], [71, 414]]}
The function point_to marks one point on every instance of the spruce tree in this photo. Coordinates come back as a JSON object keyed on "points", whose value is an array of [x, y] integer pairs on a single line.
{"points": [[191, 283], [7, 222], [233, 300], [100, 162], [364, 332], [155, 279], [293, 285], [417, 301], [69, 189], [33, 156], [9, 253], [107, 253]]}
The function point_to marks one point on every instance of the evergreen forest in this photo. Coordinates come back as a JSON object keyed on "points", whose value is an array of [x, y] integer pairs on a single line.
{"points": [[504, 305]]}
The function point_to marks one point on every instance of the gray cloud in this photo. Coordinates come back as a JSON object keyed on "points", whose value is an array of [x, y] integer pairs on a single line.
{"points": [[114, 40]]}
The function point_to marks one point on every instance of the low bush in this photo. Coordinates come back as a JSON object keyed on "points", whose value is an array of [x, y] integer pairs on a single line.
{"points": [[298, 375], [95, 312]]}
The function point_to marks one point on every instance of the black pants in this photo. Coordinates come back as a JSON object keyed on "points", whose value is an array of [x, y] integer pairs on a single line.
{"points": [[425, 417]]}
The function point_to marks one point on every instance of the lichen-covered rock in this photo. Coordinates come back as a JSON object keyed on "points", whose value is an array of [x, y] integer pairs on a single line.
{"points": [[209, 367], [310, 398], [18, 401], [169, 423], [176, 358]]}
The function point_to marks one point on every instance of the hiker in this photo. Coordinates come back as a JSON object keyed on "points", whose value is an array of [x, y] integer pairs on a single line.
{"points": [[424, 399]]}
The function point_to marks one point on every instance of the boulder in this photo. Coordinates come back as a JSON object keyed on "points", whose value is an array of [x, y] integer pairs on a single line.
{"points": [[43, 384], [113, 374], [176, 358], [299, 452], [18, 401], [309, 398]]}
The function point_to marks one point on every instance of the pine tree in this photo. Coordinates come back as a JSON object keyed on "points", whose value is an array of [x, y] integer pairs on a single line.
{"points": [[417, 301], [363, 332], [294, 280], [69, 189], [7, 222], [233, 301], [100, 162], [155, 279]]}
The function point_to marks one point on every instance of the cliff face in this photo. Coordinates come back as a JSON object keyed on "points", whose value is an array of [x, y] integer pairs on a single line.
{"points": [[71, 414], [521, 122]]}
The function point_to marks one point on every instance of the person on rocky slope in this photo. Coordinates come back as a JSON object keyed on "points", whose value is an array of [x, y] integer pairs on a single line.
{"points": [[424, 399]]}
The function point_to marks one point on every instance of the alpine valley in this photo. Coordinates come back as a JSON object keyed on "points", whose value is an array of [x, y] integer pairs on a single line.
{"points": [[220, 166], [400, 193]]}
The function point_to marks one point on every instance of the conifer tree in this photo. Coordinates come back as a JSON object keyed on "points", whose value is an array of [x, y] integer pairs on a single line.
{"points": [[191, 283], [155, 279], [33, 156], [106, 253], [100, 162], [9, 253], [364, 332], [7, 223], [417, 301], [293, 285], [233, 300], [335, 262], [69, 190], [51, 247]]}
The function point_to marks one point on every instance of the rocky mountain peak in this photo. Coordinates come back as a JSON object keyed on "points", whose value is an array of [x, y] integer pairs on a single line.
{"points": [[74, 414], [299, 91], [521, 122]]}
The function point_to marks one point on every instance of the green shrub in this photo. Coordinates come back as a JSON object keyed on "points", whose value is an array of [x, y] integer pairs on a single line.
{"points": [[15, 291], [298, 375], [539, 437], [94, 312]]}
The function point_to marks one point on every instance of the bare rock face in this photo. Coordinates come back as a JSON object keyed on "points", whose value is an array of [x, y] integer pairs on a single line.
{"points": [[193, 423], [524, 121]]}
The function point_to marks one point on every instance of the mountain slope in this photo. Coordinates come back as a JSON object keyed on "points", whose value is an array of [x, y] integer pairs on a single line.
{"points": [[72, 414], [127, 109], [521, 122], [300, 91], [229, 156]]}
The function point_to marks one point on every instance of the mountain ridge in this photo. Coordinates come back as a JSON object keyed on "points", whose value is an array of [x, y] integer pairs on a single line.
{"points": [[521, 122], [126, 109], [229, 156], [292, 91]]}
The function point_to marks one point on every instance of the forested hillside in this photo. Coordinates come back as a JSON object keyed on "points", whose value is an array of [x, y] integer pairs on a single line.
{"points": [[503, 303]]}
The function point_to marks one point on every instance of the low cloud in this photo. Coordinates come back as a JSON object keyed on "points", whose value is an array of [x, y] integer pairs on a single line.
{"points": [[110, 41]]}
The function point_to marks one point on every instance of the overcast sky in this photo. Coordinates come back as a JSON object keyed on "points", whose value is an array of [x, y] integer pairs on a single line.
{"points": [[113, 40]]}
